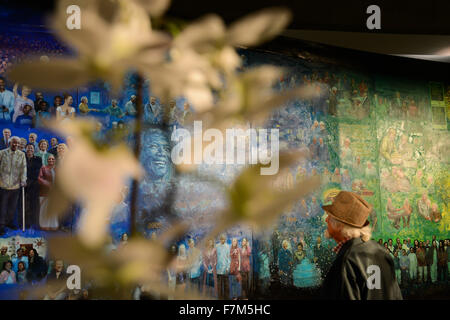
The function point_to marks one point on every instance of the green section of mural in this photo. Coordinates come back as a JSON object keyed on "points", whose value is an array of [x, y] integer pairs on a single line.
{"points": [[393, 151], [412, 162], [374, 135]]}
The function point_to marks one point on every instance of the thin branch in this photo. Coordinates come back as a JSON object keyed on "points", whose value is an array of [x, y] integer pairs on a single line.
{"points": [[137, 152]]}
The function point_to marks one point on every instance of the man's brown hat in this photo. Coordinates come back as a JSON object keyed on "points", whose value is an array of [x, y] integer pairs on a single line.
{"points": [[349, 208]]}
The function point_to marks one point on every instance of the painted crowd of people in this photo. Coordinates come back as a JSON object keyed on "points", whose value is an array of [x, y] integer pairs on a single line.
{"points": [[419, 261], [28, 170], [221, 270], [27, 268]]}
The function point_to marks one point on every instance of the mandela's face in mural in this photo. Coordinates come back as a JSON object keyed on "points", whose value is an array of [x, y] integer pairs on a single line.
{"points": [[156, 155]]}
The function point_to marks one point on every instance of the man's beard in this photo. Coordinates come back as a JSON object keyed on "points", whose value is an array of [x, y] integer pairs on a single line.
{"points": [[327, 234]]}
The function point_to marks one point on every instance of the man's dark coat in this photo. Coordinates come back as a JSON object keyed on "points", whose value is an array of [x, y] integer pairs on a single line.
{"points": [[347, 278]]}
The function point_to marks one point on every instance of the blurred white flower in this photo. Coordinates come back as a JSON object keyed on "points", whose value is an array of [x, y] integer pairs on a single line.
{"points": [[115, 37], [155, 8], [94, 177], [258, 27], [203, 54], [187, 74], [255, 200], [141, 261], [250, 96], [146, 262]]}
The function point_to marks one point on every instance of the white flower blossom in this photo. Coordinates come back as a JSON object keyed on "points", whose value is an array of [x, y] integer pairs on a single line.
{"points": [[206, 47], [93, 177], [115, 37]]}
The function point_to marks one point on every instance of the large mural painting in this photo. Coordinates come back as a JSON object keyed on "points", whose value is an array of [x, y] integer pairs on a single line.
{"points": [[384, 138]]}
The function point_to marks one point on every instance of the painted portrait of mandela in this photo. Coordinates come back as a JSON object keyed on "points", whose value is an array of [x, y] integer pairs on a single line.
{"points": [[157, 183]]}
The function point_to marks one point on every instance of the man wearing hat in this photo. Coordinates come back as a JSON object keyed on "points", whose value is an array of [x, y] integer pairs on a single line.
{"points": [[362, 270]]}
